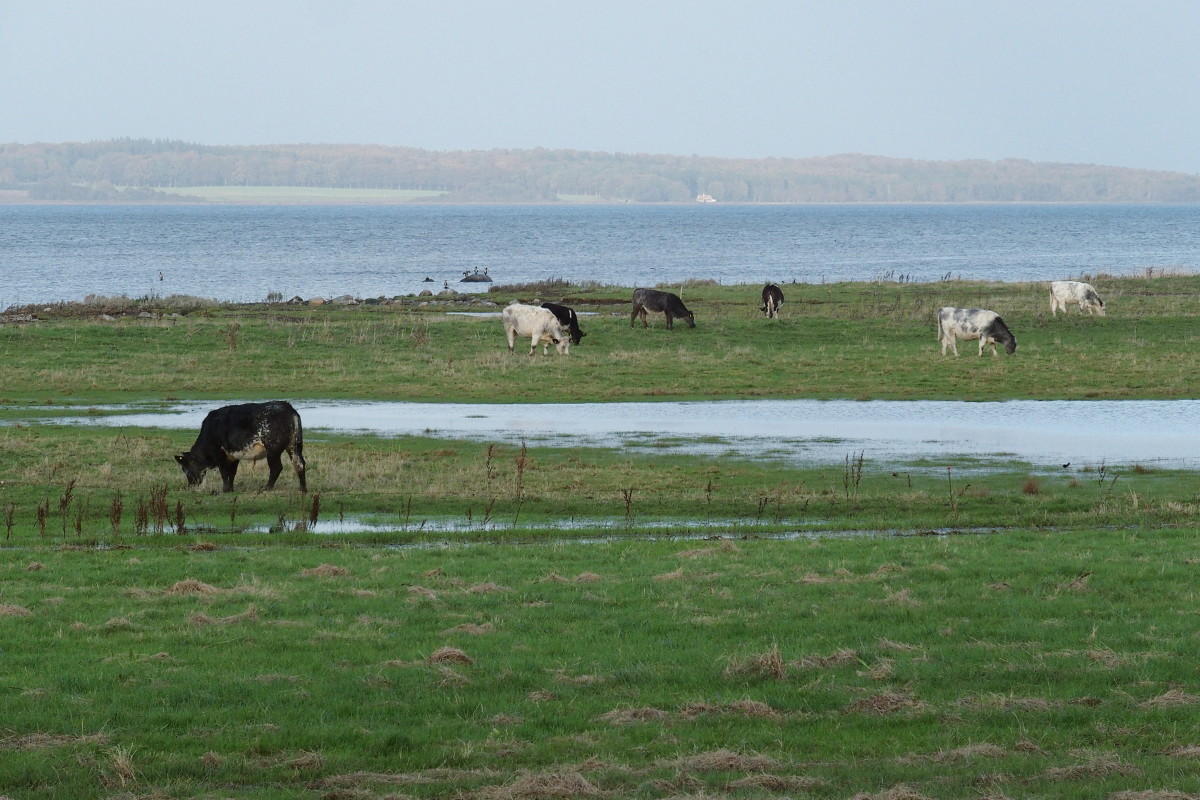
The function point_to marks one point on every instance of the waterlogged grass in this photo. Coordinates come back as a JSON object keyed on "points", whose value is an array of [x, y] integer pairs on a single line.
{"points": [[1018, 665], [71, 485], [864, 340]]}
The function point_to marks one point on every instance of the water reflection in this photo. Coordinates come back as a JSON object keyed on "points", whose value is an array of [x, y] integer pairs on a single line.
{"points": [[1045, 433]]}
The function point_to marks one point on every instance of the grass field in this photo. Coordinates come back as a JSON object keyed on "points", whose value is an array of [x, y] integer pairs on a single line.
{"points": [[865, 341], [1028, 664], [828, 632]]}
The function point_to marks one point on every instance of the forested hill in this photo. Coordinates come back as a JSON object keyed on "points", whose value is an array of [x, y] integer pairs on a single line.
{"points": [[144, 170]]}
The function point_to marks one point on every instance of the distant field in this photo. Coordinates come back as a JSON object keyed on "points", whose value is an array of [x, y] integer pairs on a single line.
{"points": [[301, 194]]}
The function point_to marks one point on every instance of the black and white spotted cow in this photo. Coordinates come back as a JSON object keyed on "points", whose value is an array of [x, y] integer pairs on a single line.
{"points": [[974, 323], [1063, 292], [568, 319], [772, 297], [248, 432]]}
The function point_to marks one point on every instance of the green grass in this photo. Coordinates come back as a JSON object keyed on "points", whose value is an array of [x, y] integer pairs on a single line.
{"points": [[156, 646], [867, 341], [300, 194], [73, 485], [1019, 665]]}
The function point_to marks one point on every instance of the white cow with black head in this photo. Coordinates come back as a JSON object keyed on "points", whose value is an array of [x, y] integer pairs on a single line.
{"points": [[537, 323], [974, 323]]}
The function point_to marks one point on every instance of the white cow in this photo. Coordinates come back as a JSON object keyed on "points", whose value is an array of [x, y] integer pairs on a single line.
{"points": [[538, 323], [974, 323], [1063, 292]]}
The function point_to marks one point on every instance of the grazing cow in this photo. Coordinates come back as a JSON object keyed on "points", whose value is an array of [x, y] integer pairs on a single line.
{"points": [[568, 319], [653, 300], [247, 432], [1063, 292], [772, 297], [538, 323], [974, 323]]}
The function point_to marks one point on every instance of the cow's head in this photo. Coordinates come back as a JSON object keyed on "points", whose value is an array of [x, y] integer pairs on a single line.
{"points": [[576, 334], [690, 319], [191, 469], [1093, 301], [562, 344]]}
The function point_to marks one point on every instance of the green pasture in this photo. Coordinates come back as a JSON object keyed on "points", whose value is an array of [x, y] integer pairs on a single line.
{"points": [[1025, 664], [867, 341], [526, 622]]}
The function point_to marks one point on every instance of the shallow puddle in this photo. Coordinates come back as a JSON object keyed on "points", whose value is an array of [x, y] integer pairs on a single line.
{"points": [[1047, 434]]}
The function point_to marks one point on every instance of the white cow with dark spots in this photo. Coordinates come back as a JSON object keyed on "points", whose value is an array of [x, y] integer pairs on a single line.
{"points": [[974, 323], [1063, 292], [537, 323]]}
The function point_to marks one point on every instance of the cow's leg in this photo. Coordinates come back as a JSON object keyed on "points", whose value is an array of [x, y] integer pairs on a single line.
{"points": [[274, 467], [633, 317], [228, 470], [298, 467], [670, 319], [512, 338], [1053, 307]]}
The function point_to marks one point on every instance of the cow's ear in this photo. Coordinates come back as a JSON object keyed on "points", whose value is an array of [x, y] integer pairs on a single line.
{"points": [[180, 457]]}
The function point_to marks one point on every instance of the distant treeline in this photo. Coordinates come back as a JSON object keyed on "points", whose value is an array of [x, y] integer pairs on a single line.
{"points": [[147, 170]]}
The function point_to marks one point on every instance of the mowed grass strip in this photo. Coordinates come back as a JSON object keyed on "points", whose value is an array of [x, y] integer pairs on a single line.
{"points": [[1027, 664], [853, 340]]}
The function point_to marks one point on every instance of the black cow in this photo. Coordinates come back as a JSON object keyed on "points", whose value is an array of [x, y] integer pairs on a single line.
{"points": [[247, 432], [568, 319], [772, 297], [653, 300]]}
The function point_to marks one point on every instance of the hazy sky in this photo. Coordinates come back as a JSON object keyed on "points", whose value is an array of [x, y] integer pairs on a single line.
{"points": [[1111, 82]]}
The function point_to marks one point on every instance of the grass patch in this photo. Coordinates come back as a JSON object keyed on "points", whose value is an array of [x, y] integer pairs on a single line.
{"points": [[861, 340], [769, 668]]}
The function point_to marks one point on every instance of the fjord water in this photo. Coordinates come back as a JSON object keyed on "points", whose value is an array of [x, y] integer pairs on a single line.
{"points": [[243, 252]]}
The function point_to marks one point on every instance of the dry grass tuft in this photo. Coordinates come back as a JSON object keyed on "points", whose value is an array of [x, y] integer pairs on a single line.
{"points": [[325, 571], [212, 760], [307, 761], [449, 655], [190, 586], [895, 793], [1153, 794], [34, 566], [1172, 699], [249, 615], [544, 786], [965, 753], [837, 659], [421, 591], [629, 716], [670, 576], [776, 783], [202, 547], [1101, 766], [769, 664], [120, 770], [488, 588], [886, 703], [10, 610], [901, 598], [725, 761], [47, 741], [587, 577], [450, 677], [1186, 751]]}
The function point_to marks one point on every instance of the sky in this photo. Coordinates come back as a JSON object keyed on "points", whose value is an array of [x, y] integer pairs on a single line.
{"points": [[1070, 81]]}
